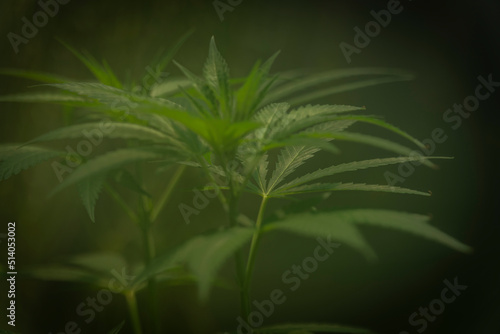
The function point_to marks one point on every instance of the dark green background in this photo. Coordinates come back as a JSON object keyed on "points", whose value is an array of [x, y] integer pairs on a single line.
{"points": [[446, 44]]}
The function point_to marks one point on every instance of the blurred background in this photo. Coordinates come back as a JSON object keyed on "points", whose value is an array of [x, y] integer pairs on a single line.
{"points": [[446, 44]]}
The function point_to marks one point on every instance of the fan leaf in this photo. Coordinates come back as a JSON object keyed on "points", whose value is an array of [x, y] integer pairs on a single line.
{"points": [[104, 163], [97, 131], [203, 254], [14, 159], [89, 190], [322, 187]]}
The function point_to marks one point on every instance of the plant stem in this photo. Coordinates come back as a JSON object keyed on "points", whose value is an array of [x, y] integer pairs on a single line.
{"points": [[245, 291], [134, 311], [149, 252], [119, 200], [167, 193]]}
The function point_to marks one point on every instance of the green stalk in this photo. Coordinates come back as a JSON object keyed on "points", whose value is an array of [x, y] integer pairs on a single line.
{"points": [[134, 311], [245, 291], [167, 193], [221, 196], [149, 253], [148, 240], [119, 200]]}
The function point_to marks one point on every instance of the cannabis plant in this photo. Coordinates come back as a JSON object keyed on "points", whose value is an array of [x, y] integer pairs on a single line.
{"points": [[247, 136]]}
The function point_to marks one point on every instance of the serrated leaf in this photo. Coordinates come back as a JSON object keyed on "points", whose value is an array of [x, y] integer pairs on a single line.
{"points": [[58, 98], [261, 173], [305, 140], [254, 88], [97, 131], [102, 72], [324, 226], [376, 142], [405, 222], [321, 187], [216, 73], [14, 159], [269, 117], [383, 124], [305, 82], [299, 99], [349, 167], [170, 86], [104, 163], [162, 63], [89, 190], [215, 131], [305, 117], [289, 159], [203, 254]]}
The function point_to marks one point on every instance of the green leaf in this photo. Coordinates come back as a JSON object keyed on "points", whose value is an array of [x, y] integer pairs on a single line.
{"points": [[96, 131], [269, 117], [349, 167], [320, 328], [306, 140], [383, 124], [114, 97], [162, 63], [301, 83], [299, 99], [93, 268], [104, 163], [89, 190], [170, 86], [63, 273], [289, 159], [126, 179], [252, 92], [13, 159], [325, 226], [118, 328], [224, 135], [102, 72], [405, 222], [203, 254], [101, 262], [216, 73], [321, 187], [261, 173], [376, 142], [307, 117], [58, 98], [297, 205]]}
